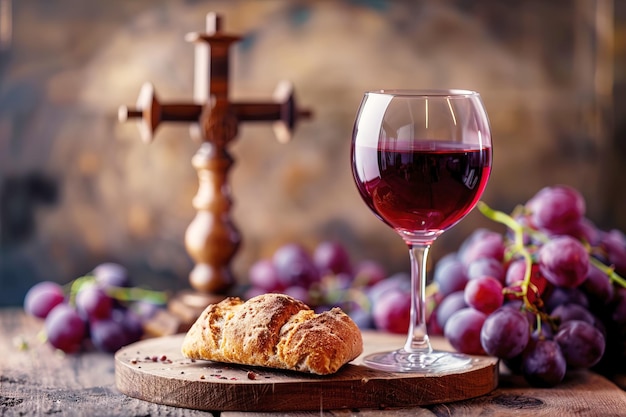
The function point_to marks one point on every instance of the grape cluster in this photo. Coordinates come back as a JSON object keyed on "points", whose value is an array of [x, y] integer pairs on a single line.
{"points": [[100, 309], [545, 296], [322, 278]]}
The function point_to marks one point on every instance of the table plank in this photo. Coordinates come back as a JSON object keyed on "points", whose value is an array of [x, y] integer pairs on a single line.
{"points": [[39, 381], [398, 412], [581, 394], [206, 385]]}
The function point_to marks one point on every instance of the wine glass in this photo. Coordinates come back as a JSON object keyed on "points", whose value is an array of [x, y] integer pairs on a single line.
{"points": [[421, 160]]}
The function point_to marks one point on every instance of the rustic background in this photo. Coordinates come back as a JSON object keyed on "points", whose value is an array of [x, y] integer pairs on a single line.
{"points": [[78, 188]]}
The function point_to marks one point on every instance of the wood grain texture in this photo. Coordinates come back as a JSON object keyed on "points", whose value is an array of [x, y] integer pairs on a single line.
{"points": [[155, 370], [35, 380], [581, 394]]}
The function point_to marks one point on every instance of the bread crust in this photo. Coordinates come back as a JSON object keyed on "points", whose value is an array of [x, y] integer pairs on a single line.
{"points": [[276, 331]]}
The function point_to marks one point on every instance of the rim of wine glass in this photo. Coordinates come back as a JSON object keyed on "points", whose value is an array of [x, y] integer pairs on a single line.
{"points": [[452, 92]]}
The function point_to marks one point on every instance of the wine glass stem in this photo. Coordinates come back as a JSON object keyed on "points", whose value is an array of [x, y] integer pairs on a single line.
{"points": [[417, 340]]}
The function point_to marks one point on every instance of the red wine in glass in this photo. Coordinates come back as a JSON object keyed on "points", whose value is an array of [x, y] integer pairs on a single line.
{"points": [[431, 185], [421, 161]]}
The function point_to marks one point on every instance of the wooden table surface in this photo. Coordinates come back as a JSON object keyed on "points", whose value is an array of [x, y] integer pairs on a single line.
{"points": [[35, 380]]}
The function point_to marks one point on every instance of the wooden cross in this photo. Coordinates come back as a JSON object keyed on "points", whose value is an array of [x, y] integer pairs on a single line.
{"points": [[212, 239]]}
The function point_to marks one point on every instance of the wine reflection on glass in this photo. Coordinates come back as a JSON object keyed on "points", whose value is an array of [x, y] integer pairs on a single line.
{"points": [[420, 160]]}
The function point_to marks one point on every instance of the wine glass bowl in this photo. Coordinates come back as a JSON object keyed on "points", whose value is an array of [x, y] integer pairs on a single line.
{"points": [[421, 160]]}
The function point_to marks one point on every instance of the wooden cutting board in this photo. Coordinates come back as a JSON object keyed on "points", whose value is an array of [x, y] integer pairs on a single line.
{"points": [[154, 370]]}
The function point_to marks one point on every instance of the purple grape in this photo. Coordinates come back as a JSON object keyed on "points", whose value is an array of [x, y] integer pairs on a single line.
{"points": [[92, 302], [515, 304], [299, 293], [505, 333], [332, 288], [588, 232], [598, 286], [294, 266], [543, 364], [515, 363], [145, 310], [557, 210], [108, 335], [564, 261], [486, 267], [545, 332], [65, 329], [432, 323], [482, 243], [515, 273], [131, 322], [515, 276], [614, 243], [518, 305], [339, 282], [391, 313], [463, 331], [42, 298], [400, 281], [570, 311], [450, 275], [332, 257], [450, 305], [369, 273], [263, 275], [111, 274], [618, 307], [581, 343], [559, 296], [253, 291], [360, 316], [484, 294]]}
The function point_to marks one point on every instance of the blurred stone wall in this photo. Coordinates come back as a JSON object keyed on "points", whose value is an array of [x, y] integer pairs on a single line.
{"points": [[78, 188]]}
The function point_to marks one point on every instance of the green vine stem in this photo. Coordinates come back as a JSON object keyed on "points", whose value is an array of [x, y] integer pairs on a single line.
{"points": [[609, 271], [521, 249], [74, 287], [137, 294], [118, 293], [518, 248]]}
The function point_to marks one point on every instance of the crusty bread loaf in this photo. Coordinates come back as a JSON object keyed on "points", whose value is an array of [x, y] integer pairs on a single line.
{"points": [[276, 331]]}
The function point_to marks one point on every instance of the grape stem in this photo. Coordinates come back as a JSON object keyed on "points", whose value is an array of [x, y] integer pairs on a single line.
{"points": [[136, 294], [520, 248], [609, 271], [76, 285], [118, 293]]}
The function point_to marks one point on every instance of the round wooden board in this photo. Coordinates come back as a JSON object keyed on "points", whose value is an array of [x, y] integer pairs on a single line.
{"points": [[154, 370]]}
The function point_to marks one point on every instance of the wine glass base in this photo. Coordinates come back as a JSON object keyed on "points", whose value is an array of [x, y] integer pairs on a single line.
{"points": [[423, 362]]}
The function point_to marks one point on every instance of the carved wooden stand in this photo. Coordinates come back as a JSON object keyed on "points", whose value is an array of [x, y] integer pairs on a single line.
{"points": [[212, 239]]}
